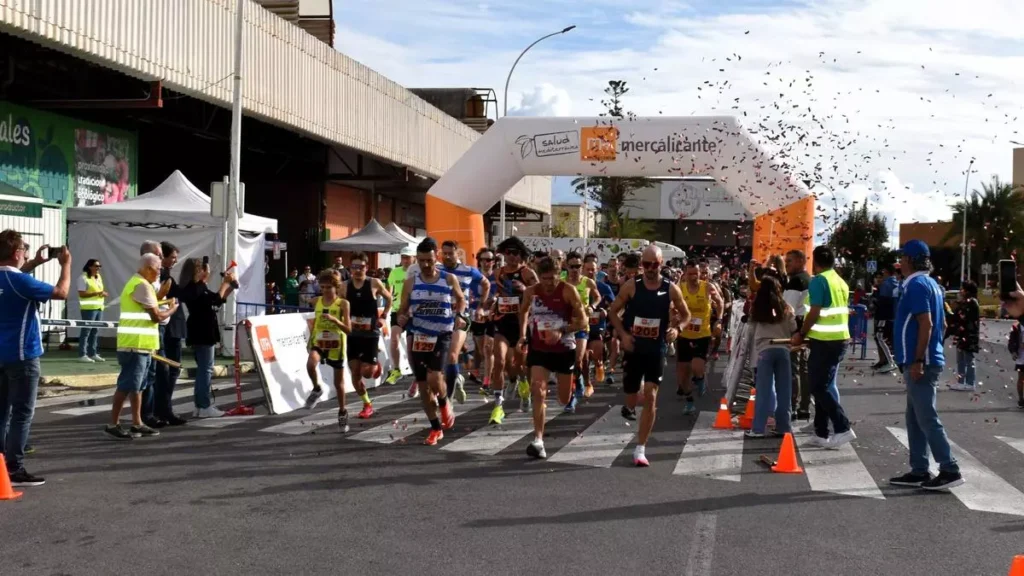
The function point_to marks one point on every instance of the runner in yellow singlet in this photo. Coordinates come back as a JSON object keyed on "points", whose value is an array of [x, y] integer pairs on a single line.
{"points": [[694, 341], [587, 290], [327, 333]]}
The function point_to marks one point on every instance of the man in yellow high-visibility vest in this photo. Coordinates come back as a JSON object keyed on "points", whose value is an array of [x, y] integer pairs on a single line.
{"points": [[138, 337], [826, 327]]}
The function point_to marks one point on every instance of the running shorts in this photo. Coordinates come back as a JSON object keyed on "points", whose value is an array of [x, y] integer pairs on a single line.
{"points": [[557, 362], [687, 349], [362, 349], [640, 367], [336, 364], [482, 328], [425, 360]]}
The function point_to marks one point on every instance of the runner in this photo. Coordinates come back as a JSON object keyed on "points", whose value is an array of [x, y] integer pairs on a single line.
{"points": [[722, 315], [483, 326], [327, 332], [649, 304], [513, 279], [474, 287], [432, 309], [588, 293], [558, 257], [695, 339], [614, 280], [554, 310], [364, 340], [395, 281], [599, 333]]}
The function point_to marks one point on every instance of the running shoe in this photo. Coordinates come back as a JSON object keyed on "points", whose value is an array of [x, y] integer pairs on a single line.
{"points": [[838, 440], [944, 481], [628, 414], [343, 421], [366, 412], [447, 416], [414, 390], [143, 430], [910, 480], [639, 457], [536, 449], [460, 389], [118, 432], [752, 434], [393, 377], [525, 404], [497, 415], [434, 437], [523, 388], [314, 398], [689, 408], [22, 478], [570, 408], [473, 377]]}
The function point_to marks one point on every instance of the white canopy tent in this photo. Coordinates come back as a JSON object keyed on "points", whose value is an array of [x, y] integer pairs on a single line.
{"points": [[177, 212], [372, 238], [396, 231]]}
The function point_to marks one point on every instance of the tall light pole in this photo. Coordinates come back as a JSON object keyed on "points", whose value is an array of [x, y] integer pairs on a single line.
{"points": [[963, 233], [504, 111]]}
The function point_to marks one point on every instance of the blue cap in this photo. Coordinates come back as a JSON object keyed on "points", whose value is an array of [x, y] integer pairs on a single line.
{"points": [[915, 249]]}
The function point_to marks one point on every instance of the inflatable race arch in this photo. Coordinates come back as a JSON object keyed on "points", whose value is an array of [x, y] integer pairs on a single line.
{"points": [[715, 146]]}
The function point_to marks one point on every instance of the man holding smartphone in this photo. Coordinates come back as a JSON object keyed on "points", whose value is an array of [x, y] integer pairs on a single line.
{"points": [[1013, 302], [21, 344]]}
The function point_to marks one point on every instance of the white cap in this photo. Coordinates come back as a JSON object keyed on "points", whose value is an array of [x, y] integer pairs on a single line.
{"points": [[408, 251]]}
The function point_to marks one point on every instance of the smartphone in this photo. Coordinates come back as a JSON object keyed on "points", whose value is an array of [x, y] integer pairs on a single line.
{"points": [[1007, 278], [53, 251]]}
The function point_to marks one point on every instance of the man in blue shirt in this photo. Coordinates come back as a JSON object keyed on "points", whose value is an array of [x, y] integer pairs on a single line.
{"points": [[21, 345], [885, 306], [920, 322]]}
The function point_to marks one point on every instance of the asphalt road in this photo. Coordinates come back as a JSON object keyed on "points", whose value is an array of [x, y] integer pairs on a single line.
{"points": [[301, 499]]}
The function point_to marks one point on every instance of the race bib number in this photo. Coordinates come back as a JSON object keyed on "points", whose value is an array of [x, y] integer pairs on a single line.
{"points": [[508, 304], [423, 343], [595, 318], [548, 329], [646, 327], [694, 325], [362, 324], [328, 341]]}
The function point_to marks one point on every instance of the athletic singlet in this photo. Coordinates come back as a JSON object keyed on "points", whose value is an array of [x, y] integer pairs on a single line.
{"points": [[468, 278], [550, 313], [326, 335], [507, 308], [486, 310], [584, 291], [646, 317], [700, 312], [430, 305], [596, 322], [362, 309]]}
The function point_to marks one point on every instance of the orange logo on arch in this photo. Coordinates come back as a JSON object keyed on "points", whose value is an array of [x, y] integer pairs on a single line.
{"points": [[598, 143]]}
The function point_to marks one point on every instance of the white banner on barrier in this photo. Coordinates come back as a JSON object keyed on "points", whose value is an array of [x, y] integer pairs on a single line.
{"points": [[279, 349]]}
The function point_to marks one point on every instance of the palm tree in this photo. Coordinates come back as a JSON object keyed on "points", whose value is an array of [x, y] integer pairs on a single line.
{"points": [[621, 226], [995, 221]]}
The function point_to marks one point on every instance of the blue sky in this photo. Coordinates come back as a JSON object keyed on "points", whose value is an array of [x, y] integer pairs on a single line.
{"points": [[898, 95]]}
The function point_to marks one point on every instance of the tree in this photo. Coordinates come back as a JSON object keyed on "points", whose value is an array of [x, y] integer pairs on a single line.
{"points": [[860, 237], [560, 229], [611, 194], [995, 220], [622, 226]]}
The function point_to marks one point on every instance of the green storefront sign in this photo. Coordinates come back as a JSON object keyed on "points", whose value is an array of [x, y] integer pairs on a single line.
{"points": [[65, 161], [25, 209]]}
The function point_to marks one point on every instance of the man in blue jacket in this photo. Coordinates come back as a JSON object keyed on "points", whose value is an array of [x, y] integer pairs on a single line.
{"points": [[885, 310], [920, 323]]}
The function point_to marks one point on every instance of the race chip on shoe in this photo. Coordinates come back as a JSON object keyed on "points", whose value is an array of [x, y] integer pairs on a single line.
{"points": [[423, 343], [646, 327]]}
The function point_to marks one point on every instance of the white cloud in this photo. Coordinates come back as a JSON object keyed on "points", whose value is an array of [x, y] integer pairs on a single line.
{"points": [[879, 100]]}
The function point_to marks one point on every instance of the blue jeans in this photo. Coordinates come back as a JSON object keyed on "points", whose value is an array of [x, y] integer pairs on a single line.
{"points": [[773, 397], [822, 369], [965, 367], [924, 429], [204, 375], [87, 336], [166, 379], [134, 371], [19, 382]]}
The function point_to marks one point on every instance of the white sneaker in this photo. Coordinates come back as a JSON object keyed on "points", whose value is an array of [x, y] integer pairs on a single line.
{"points": [[211, 412], [85, 360], [414, 390], [818, 441], [98, 358], [314, 398], [838, 440], [961, 387]]}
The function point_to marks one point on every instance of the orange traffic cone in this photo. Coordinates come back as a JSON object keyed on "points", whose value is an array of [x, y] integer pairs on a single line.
{"points": [[787, 463], [1017, 567], [747, 420], [6, 490], [723, 421]]}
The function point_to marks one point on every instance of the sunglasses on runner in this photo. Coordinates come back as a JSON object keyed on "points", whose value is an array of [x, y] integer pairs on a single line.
{"points": [[357, 266], [486, 259], [650, 265], [575, 266], [513, 252]]}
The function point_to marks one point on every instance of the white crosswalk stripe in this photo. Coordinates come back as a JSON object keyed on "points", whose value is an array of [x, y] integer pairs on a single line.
{"points": [[310, 422], [410, 424], [984, 490], [601, 443], [710, 453], [223, 421], [1015, 443], [491, 439], [837, 471]]}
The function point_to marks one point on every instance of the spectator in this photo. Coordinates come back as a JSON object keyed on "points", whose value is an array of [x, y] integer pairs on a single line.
{"points": [[203, 328], [1018, 360], [885, 310], [308, 287], [21, 345], [772, 319], [965, 329], [172, 333], [90, 302], [795, 294], [919, 352], [138, 337], [339, 265], [291, 288]]}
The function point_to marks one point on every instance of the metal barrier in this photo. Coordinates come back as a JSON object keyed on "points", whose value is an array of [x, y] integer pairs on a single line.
{"points": [[246, 309], [859, 329]]}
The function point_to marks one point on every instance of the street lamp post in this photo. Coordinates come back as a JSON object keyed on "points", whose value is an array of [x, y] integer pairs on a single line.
{"points": [[963, 233], [504, 111]]}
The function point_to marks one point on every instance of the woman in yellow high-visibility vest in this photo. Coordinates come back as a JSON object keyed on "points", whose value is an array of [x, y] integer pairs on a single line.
{"points": [[90, 301]]}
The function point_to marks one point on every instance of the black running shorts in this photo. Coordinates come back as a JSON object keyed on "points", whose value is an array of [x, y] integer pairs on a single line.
{"points": [[687, 349], [362, 349], [640, 367], [557, 362], [428, 360]]}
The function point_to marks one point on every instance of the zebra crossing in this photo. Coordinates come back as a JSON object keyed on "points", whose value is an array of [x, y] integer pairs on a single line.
{"points": [[598, 437]]}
